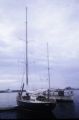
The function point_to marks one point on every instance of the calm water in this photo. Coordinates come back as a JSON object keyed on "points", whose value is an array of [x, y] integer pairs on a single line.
{"points": [[62, 110]]}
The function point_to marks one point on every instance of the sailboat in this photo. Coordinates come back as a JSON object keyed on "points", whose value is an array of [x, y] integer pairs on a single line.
{"points": [[27, 102]]}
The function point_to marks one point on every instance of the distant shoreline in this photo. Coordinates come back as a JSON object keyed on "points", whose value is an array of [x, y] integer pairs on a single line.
{"points": [[12, 91]]}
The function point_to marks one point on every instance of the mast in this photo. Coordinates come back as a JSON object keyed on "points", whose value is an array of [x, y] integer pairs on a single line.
{"points": [[48, 71], [26, 52]]}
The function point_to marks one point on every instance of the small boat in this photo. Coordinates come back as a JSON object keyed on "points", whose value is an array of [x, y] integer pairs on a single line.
{"points": [[61, 95], [27, 101]]}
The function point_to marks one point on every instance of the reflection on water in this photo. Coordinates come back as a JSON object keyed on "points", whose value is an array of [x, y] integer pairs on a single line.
{"points": [[65, 110], [62, 110], [8, 115], [19, 114], [68, 109], [34, 115]]}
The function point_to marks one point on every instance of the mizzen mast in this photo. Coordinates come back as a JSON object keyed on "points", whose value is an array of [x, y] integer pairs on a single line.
{"points": [[48, 71]]}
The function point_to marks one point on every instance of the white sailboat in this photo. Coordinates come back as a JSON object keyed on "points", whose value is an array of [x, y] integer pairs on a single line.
{"points": [[38, 103], [63, 95]]}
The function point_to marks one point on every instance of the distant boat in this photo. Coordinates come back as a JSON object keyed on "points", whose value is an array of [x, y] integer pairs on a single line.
{"points": [[37, 103], [61, 95]]}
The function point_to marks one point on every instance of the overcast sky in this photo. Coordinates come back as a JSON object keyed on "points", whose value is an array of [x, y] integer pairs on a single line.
{"points": [[52, 21]]}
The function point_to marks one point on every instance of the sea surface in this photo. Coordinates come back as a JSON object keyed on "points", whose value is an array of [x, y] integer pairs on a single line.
{"points": [[62, 110]]}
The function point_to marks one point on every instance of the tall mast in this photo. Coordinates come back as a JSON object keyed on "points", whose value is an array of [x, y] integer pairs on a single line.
{"points": [[48, 71], [26, 52]]}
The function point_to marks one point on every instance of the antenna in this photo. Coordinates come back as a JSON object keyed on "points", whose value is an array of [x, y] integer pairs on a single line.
{"points": [[48, 71]]}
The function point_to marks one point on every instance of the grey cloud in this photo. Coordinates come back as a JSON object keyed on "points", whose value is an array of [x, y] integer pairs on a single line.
{"points": [[53, 21]]}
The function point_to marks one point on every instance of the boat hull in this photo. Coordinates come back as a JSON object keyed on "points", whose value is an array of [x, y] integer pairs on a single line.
{"points": [[63, 98], [33, 106]]}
